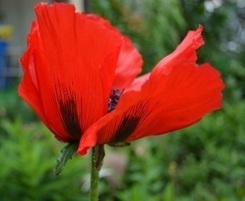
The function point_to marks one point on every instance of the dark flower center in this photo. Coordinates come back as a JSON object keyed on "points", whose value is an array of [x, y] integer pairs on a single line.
{"points": [[114, 99]]}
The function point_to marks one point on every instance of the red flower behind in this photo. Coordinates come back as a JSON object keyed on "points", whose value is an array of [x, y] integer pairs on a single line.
{"points": [[74, 62]]}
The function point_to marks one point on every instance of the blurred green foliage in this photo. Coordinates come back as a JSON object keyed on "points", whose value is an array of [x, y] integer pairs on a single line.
{"points": [[27, 158], [202, 163]]}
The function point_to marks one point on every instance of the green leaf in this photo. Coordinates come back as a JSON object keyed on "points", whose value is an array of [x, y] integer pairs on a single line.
{"points": [[65, 154]]}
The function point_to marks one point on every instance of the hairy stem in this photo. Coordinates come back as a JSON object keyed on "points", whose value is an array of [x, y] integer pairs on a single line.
{"points": [[96, 163]]}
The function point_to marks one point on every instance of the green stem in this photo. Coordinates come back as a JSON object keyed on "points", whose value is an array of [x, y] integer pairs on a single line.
{"points": [[96, 163]]}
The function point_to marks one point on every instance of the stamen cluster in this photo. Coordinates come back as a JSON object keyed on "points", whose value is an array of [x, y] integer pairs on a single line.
{"points": [[114, 99]]}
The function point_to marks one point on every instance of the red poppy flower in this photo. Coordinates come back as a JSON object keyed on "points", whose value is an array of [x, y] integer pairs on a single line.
{"points": [[70, 68], [77, 68]]}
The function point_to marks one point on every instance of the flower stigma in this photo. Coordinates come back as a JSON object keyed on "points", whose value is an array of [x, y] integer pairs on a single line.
{"points": [[114, 99]]}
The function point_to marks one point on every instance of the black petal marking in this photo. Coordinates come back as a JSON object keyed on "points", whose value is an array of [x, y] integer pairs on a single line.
{"points": [[131, 120], [67, 107], [69, 115], [126, 128]]}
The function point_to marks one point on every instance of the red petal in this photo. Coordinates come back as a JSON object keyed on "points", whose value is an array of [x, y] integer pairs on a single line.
{"points": [[177, 94], [138, 83], [28, 88], [74, 67], [185, 51], [129, 65], [130, 61]]}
